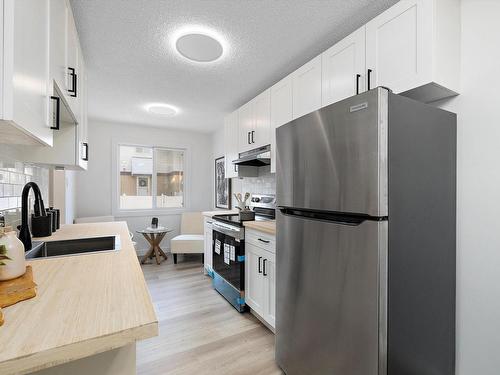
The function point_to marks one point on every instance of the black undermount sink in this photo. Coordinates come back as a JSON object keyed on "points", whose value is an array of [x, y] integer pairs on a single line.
{"points": [[73, 247]]}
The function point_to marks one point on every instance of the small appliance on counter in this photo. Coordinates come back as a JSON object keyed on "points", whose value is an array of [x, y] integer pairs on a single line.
{"points": [[228, 248]]}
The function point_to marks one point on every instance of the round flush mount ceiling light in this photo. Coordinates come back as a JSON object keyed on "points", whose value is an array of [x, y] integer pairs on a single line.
{"points": [[199, 44], [162, 109]]}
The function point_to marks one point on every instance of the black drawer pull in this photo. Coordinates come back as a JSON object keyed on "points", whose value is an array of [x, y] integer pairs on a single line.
{"points": [[85, 156], [74, 80], [57, 116], [265, 241]]}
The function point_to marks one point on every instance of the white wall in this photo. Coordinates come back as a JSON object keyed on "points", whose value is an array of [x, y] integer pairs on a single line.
{"points": [[478, 206], [217, 152], [94, 187]]}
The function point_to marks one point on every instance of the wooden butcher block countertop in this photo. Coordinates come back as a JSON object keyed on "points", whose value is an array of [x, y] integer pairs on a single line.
{"points": [[263, 226], [86, 304]]}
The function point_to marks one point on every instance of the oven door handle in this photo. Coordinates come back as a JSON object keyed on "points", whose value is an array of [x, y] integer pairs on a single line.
{"points": [[237, 234]]}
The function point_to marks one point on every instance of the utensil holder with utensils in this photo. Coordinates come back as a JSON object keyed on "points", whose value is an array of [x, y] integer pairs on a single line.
{"points": [[247, 215]]}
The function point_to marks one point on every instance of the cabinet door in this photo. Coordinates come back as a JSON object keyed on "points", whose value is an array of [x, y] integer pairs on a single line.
{"points": [[231, 144], [254, 281], [281, 111], [399, 46], [25, 79], [72, 63], [208, 244], [245, 126], [261, 135], [343, 68], [306, 82], [58, 21], [82, 141], [269, 273]]}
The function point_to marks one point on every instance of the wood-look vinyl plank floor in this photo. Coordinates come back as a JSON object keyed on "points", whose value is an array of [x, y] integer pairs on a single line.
{"points": [[200, 332]]}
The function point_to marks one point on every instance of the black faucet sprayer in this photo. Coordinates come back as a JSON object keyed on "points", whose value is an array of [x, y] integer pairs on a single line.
{"points": [[41, 223]]}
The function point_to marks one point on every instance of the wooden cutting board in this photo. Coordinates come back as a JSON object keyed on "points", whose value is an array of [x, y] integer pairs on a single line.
{"points": [[19, 289]]}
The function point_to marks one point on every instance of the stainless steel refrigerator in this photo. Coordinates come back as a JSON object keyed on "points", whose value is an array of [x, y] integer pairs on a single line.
{"points": [[366, 192]]}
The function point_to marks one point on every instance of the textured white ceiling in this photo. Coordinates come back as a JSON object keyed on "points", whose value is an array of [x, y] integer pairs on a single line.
{"points": [[131, 62]]}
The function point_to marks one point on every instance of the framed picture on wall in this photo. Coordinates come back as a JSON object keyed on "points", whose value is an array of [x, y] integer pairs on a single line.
{"points": [[222, 185]]}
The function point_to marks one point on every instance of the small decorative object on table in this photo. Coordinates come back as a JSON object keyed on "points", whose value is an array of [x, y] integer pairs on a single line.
{"points": [[154, 223], [222, 185]]}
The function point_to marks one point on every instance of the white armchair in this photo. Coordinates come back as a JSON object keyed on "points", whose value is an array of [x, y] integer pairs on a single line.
{"points": [[190, 241]]}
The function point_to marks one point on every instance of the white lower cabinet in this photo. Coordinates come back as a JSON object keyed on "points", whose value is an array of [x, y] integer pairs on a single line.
{"points": [[260, 282], [208, 244]]}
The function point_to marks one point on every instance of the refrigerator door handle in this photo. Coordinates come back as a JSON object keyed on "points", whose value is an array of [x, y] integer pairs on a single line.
{"points": [[336, 217]]}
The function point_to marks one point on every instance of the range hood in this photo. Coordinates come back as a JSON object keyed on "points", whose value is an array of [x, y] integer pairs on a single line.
{"points": [[255, 158]]}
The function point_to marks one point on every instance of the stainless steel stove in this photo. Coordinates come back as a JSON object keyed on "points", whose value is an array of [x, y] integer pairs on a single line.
{"points": [[228, 249]]}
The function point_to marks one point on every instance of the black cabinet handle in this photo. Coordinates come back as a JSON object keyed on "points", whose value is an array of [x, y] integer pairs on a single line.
{"points": [[253, 132], [358, 76], [264, 266], [86, 154], [261, 240], [369, 78], [260, 269], [72, 73], [57, 115], [248, 137]]}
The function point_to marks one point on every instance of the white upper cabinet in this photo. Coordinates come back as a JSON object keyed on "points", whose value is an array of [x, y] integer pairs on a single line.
{"points": [[231, 143], [306, 88], [82, 126], [24, 80], [281, 102], [58, 24], [343, 68], [281, 111], [245, 127], [262, 122], [254, 121], [73, 64], [414, 48]]}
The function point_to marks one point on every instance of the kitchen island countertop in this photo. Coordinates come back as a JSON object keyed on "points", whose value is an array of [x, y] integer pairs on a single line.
{"points": [[85, 304]]}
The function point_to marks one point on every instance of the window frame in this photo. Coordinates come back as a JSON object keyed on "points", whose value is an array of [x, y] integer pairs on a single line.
{"points": [[160, 211]]}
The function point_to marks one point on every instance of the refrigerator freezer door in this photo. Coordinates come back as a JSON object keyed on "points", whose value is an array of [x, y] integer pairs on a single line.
{"points": [[331, 297], [335, 159]]}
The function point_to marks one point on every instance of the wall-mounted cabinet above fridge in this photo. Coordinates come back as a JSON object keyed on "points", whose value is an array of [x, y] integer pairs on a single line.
{"points": [[413, 48], [43, 82]]}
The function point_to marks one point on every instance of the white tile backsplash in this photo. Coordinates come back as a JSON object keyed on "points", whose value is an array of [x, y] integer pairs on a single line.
{"points": [[13, 177], [265, 183]]}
